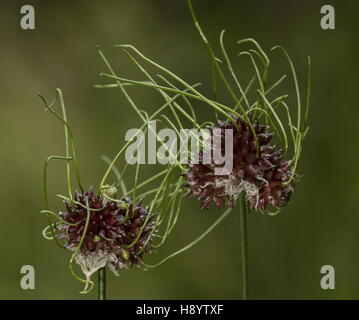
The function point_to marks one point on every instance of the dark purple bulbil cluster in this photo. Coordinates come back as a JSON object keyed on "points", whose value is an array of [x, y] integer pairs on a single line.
{"points": [[261, 175], [112, 228]]}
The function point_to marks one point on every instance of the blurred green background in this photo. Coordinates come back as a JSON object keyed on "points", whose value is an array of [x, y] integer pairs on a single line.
{"points": [[286, 252]]}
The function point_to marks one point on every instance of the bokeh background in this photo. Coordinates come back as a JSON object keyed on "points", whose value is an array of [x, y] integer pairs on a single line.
{"points": [[286, 252]]}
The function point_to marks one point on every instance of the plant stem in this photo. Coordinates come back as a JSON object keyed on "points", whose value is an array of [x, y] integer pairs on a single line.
{"points": [[243, 249], [102, 284]]}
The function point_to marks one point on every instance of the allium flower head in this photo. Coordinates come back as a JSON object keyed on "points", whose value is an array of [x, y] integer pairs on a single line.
{"points": [[118, 233], [107, 227], [258, 171]]}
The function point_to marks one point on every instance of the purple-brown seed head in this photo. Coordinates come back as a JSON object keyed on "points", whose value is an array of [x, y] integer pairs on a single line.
{"points": [[258, 170], [118, 233]]}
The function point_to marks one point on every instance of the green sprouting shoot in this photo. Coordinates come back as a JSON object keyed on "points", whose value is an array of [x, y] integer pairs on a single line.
{"points": [[277, 113]]}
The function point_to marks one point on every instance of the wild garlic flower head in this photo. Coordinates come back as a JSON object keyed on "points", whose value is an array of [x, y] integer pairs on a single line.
{"points": [[117, 233], [255, 112], [260, 173]]}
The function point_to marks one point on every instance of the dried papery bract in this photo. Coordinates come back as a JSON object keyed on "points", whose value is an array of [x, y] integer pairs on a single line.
{"points": [[264, 173]]}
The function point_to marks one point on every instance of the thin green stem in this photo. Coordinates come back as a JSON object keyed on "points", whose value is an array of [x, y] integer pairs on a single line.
{"points": [[243, 272], [190, 245], [102, 284]]}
